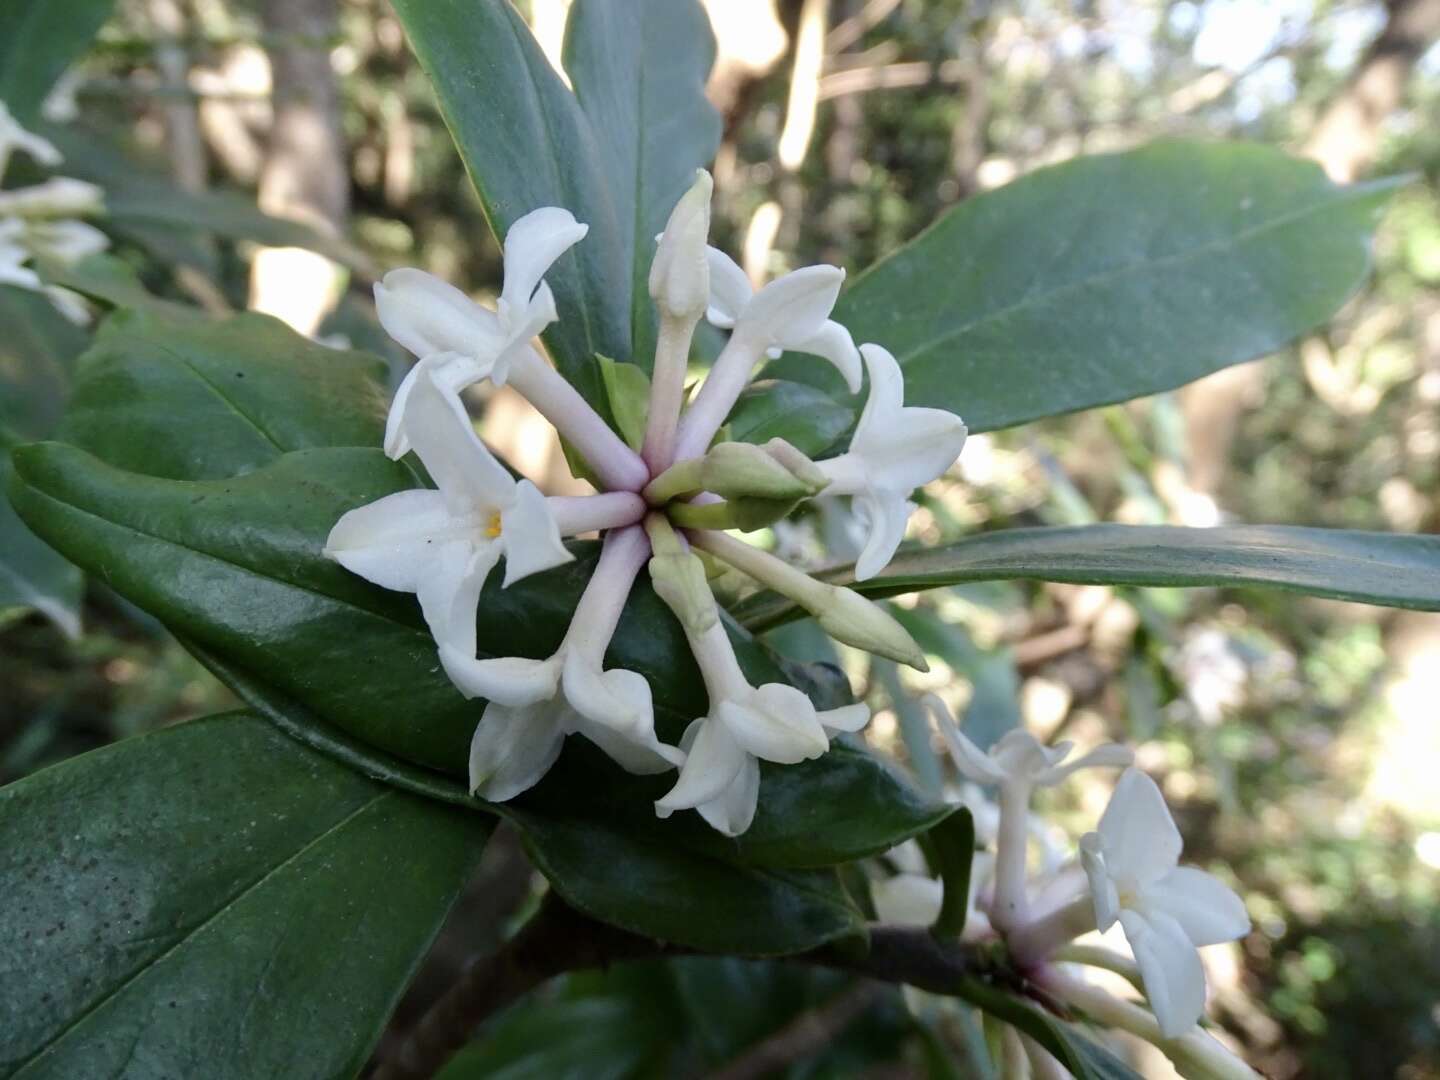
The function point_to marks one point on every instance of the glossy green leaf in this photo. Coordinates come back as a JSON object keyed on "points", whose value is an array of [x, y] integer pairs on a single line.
{"points": [[1386, 569], [236, 566], [804, 416], [194, 400], [950, 848], [639, 69], [38, 40], [1110, 277], [214, 899], [1085, 1059]]}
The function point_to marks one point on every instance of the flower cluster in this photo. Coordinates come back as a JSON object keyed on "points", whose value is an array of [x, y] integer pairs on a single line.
{"points": [[674, 494], [1127, 871], [40, 222]]}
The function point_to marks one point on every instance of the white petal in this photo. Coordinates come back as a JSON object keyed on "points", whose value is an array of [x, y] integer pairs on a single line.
{"points": [[467, 474], [508, 680], [1170, 968], [791, 309], [885, 515], [643, 756], [908, 899], [451, 372], [532, 245], [713, 761], [449, 592], [775, 723], [1205, 907], [529, 535], [66, 241], [730, 289], [732, 811], [887, 389], [835, 344], [389, 541], [429, 316], [1141, 841], [1103, 892], [972, 762], [513, 748], [619, 699], [910, 449], [845, 718]]}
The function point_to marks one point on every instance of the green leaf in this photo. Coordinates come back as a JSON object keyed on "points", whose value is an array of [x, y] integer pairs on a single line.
{"points": [[1386, 569], [214, 899], [33, 576], [38, 41], [1111, 277], [194, 400], [113, 282], [1085, 1059], [236, 567], [807, 418], [37, 353], [639, 69], [950, 848], [627, 389], [597, 1038]]}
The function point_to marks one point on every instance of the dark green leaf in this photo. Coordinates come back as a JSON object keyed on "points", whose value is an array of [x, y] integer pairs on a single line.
{"points": [[1085, 1059], [950, 847], [526, 143], [37, 353], [593, 1038], [1373, 568], [112, 282], [33, 576], [202, 400], [807, 418], [639, 69], [38, 41], [1110, 277], [214, 899], [236, 567]]}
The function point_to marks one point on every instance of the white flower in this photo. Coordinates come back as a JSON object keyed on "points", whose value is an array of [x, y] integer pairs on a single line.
{"points": [[464, 340], [14, 255], [792, 312], [60, 196], [1166, 910], [442, 544], [14, 137], [534, 704], [721, 774], [65, 241], [895, 450]]}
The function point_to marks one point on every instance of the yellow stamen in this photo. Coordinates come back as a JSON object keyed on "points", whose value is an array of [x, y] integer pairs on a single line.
{"points": [[492, 528]]}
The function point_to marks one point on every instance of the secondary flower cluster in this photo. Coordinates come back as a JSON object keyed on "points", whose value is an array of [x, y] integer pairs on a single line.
{"points": [[674, 494], [40, 222], [1126, 871]]}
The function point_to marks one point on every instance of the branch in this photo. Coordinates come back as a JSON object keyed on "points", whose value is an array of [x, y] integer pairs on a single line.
{"points": [[558, 939]]}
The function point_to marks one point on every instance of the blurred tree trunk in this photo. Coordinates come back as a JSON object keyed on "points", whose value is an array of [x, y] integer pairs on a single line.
{"points": [[305, 175], [1347, 137]]}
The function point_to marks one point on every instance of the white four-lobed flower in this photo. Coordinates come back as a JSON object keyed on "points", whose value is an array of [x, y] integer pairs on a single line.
{"points": [[895, 450], [1166, 910], [14, 137], [442, 544], [465, 342], [535, 704], [744, 725], [792, 312]]}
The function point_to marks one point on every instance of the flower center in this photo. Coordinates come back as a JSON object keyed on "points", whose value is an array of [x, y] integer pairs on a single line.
{"points": [[492, 526]]}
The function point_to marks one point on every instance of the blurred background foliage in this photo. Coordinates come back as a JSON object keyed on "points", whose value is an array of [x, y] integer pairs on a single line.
{"points": [[1296, 738]]}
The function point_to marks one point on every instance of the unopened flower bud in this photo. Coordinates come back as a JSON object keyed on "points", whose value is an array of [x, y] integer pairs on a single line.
{"points": [[680, 273], [849, 617], [736, 469]]}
